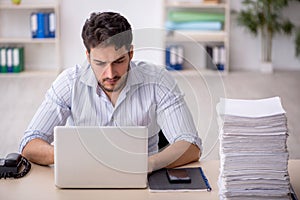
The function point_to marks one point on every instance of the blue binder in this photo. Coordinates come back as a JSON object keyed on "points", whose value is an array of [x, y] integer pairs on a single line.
{"points": [[174, 57], [9, 59], [168, 56], [40, 25]]}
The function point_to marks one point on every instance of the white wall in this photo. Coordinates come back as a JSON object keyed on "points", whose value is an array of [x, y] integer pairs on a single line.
{"points": [[140, 13], [244, 52]]}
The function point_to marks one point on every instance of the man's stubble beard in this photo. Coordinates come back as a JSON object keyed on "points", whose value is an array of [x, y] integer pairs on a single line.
{"points": [[119, 86]]}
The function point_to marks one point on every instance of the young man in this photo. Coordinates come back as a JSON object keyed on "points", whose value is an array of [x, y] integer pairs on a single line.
{"points": [[114, 91]]}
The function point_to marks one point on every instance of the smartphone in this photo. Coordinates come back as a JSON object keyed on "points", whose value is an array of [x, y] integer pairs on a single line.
{"points": [[178, 176]]}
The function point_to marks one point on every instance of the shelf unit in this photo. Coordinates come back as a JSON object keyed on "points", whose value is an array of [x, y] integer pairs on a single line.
{"points": [[41, 54], [186, 37]]}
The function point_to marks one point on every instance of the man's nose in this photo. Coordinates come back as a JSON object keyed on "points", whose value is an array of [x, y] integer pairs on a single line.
{"points": [[109, 72]]}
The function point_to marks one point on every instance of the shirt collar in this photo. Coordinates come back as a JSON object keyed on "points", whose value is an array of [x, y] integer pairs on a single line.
{"points": [[88, 77], [135, 76]]}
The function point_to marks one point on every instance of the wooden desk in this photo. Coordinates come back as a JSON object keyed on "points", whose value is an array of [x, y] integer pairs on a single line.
{"points": [[39, 184]]}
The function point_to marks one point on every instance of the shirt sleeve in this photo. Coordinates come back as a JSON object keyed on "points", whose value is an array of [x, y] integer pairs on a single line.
{"points": [[54, 111], [173, 115]]}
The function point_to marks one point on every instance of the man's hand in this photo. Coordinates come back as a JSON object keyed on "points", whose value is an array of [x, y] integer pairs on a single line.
{"points": [[39, 152], [176, 154]]}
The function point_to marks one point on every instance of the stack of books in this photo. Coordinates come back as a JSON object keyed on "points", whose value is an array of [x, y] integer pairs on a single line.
{"points": [[253, 150], [194, 20]]}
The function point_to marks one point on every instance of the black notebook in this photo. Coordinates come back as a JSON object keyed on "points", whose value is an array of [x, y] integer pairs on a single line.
{"points": [[158, 181]]}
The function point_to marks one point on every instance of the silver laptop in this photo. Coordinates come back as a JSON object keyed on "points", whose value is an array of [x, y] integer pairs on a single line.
{"points": [[100, 157]]}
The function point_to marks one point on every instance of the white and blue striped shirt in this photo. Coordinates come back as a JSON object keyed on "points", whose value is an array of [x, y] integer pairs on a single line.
{"points": [[150, 98]]}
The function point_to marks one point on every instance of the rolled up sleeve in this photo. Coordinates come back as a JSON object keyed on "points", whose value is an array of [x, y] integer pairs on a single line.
{"points": [[174, 116], [53, 111]]}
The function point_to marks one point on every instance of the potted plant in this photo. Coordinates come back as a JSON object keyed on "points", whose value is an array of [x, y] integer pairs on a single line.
{"points": [[264, 17]]}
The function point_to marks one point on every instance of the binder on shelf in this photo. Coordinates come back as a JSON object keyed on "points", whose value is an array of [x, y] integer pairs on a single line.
{"points": [[168, 57], [42, 31], [52, 25], [18, 59], [22, 58], [216, 57], [9, 61], [209, 58], [38, 26], [42, 25], [180, 54], [46, 25], [158, 181], [33, 25], [222, 58], [3, 67], [174, 57]]}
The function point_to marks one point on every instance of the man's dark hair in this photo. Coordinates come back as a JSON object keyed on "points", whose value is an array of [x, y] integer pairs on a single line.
{"points": [[106, 28]]}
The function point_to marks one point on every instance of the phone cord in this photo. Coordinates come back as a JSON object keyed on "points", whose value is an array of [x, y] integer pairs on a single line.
{"points": [[27, 167]]}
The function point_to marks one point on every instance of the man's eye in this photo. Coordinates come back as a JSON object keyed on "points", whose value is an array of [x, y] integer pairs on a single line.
{"points": [[100, 64], [119, 61]]}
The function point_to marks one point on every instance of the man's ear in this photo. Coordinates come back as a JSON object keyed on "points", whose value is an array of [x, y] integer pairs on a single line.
{"points": [[88, 56], [131, 52]]}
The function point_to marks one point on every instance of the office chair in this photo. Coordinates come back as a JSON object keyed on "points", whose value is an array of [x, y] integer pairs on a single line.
{"points": [[162, 141]]}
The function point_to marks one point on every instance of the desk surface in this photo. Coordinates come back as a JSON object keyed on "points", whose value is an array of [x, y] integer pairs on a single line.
{"points": [[39, 184]]}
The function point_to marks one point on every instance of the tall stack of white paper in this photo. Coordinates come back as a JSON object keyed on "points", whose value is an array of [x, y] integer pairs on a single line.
{"points": [[253, 151]]}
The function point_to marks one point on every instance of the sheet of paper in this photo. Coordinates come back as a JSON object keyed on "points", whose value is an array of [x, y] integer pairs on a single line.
{"points": [[251, 108]]}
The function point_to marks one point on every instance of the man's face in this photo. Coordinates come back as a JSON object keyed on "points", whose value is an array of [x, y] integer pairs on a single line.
{"points": [[110, 66]]}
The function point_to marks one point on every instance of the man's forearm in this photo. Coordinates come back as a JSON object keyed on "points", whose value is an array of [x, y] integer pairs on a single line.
{"points": [[39, 151], [177, 154]]}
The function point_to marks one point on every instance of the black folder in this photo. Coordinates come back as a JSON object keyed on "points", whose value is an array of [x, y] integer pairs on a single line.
{"points": [[159, 182]]}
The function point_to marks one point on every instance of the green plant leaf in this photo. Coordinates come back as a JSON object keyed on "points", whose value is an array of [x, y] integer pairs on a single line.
{"points": [[248, 20], [287, 27]]}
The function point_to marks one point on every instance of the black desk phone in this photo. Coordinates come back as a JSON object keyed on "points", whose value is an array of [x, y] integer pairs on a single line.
{"points": [[14, 166]]}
